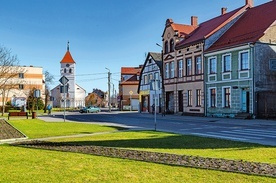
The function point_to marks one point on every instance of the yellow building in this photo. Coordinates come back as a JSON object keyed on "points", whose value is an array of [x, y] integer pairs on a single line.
{"points": [[22, 79]]}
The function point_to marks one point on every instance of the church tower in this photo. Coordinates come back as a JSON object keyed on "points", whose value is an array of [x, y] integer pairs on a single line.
{"points": [[67, 69]]}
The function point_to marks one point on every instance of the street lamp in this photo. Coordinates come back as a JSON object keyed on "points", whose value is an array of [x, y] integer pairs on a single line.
{"points": [[162, 77], [109, 74]]}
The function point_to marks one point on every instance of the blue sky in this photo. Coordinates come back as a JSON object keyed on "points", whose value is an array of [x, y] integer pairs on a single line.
{"points": [[102, 34]]}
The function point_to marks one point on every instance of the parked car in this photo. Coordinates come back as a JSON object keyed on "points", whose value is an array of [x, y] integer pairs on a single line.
{"points": [[90, 109]]}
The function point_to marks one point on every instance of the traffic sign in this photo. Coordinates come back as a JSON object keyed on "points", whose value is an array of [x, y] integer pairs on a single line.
{"points": [[63, 80]]}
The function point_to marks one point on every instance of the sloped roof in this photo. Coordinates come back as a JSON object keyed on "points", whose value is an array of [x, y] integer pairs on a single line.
{"points": [[206, 29], [157, 57], [130, 70], [249, 28], [182, 29], [67, 58]]}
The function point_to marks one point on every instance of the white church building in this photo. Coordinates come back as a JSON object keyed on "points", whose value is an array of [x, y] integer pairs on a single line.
{"points": [[74, 95]]}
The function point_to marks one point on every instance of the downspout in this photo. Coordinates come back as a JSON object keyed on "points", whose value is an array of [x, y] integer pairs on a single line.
{"points": [[252, 55]]}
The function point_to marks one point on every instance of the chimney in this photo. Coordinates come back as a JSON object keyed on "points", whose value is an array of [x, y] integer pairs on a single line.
{"points": [[194, 20], [249, 2], [223, 11]]}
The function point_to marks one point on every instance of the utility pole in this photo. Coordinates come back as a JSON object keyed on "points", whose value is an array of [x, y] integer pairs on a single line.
{"points": [[109, 76]]}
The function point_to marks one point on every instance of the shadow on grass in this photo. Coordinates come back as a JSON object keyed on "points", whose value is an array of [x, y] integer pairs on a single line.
{"points": [[168, 142]]}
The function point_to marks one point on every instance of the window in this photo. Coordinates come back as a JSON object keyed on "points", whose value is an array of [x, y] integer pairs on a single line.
{"points": [[198, 68], [156, 76], [189, 97], [21, 87], [212, 65], [150, 77], [172, 69], [70, 70], [244, 61], [167, 70], [188, 67], [180, 68], [226, 63], [212, 97], [198, 97], [21, 75], [166, 47], [171, 45], [146, 79], [64, 70], [226, 96]]}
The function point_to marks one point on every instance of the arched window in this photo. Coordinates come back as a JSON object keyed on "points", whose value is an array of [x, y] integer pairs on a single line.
{"points": [[166, 47], [70, 70], [64, 70], [171, 45]]}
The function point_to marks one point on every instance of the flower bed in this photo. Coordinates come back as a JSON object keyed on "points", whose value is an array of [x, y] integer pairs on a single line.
{"points": [[7, 131], [163, 158]]}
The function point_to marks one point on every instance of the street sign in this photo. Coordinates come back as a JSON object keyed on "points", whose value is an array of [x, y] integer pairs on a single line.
{"points": [[63, 80]]}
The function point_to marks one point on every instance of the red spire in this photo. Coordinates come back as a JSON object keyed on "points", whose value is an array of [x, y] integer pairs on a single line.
{"points": [[67, 57]]}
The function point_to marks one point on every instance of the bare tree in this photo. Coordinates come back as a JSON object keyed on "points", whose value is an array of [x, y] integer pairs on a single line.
{"points": [[9, 74], [48, 80]]}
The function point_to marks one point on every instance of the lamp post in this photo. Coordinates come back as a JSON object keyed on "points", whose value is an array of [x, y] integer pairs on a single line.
{"points": [[163, 106], [130, 94], [109, 75]]}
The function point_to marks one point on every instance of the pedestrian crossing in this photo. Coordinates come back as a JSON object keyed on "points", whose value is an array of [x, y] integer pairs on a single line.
{"points": [[246, 134]]}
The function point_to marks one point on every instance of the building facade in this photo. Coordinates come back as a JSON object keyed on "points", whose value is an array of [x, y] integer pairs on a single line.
{"points": [[173, 65], [18, 87], [128, 86], [150, 83], [183, 64], [240, 79]]}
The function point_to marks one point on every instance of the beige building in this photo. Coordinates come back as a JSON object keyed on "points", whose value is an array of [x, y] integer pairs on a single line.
{"points": [[24, 79], [173, 79], [128, 87]]}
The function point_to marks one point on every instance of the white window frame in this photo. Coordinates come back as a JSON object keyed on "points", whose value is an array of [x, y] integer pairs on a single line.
{"points": [[180, 68], [198, 98], [209, 65], [223, 96], [210, 96], [172, 70], [198, 65], [223, 62], [189, 68], [167, 73], [244, 71]]}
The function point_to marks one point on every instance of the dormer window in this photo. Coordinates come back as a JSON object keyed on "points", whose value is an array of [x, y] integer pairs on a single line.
{"points": [[171, 45]]}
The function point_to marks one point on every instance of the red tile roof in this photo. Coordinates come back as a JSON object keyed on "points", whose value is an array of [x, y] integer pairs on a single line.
{"points": [[130, 70], [67, 58], [182, 29], [249, 28], [208, 28]]}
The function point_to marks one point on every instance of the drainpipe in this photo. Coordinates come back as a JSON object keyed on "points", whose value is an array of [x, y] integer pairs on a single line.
{"points": [[252, 58]]}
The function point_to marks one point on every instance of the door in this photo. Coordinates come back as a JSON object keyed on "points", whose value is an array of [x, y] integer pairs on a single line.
{"points": [[180, 101], [245, 101]]}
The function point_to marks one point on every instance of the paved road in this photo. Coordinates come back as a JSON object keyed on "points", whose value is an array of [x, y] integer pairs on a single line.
{"points": [[255, 131]]}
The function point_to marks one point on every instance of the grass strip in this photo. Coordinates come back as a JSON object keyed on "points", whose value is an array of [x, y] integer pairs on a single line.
{"points": [[36, 128]]}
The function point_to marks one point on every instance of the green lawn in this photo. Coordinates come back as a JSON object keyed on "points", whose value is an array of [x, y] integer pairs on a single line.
{"points": [[35, 128], [34, 165], [181, 144], [20, 164]]}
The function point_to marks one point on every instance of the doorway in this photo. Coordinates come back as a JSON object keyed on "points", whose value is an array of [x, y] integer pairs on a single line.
{"points": [[180, 101], [245, 100]]}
